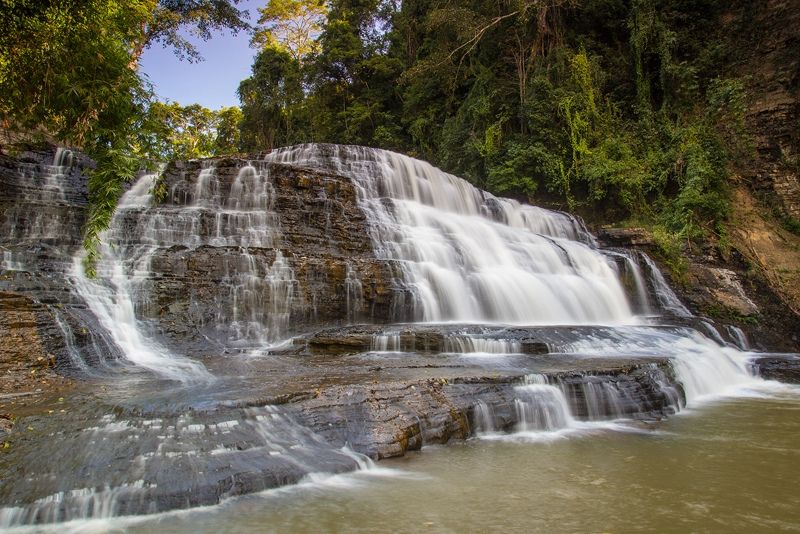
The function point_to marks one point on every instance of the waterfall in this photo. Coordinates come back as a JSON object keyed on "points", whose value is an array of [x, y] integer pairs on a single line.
{"points": [[704, 368], [389, 342], [465, 344], [113, 296], [667, 299], [212, 262], [633, 272], [42, 226], [467, 255], [541, 407], [739, 337], [254, 294]]}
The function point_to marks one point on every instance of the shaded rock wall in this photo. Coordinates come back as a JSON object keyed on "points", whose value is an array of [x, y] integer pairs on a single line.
{"points": [[42, 212], [765, 39]]}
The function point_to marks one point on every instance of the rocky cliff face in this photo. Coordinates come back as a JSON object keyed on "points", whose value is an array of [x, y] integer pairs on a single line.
{"points": [[44, 324], [303, 257], [766, 39]]}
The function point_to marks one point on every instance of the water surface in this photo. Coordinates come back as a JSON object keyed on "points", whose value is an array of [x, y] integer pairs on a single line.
{"points": [[732, 466]]}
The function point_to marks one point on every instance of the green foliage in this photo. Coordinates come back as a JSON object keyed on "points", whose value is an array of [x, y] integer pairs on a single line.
{"points": [[160, 190], [272, 101], [170, 20], [227, 124], [619, 108], [169, 131], [292, 26], [791, 224], [68, 71], [105, 188], [670, 252]]}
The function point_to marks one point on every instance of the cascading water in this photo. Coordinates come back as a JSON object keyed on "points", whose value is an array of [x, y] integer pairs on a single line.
{"points": [[237, 219], [665, 295], [703, 367], [540, 406], [469, 256], [111, 298], [466, 344], [44, 219]]}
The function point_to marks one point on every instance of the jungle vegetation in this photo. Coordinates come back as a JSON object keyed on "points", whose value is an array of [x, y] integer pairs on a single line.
{"points": [[623, 110]]}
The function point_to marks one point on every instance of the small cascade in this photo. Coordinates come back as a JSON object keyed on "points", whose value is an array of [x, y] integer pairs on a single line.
{"points": [[354, 294], [483, 418], [738, 336], [113, 297], [632, 272], [176, 461], [41, 227], [110, 300], [388, 342], [73, 353], [9, 263], [667, 299], [545, 407], [703, 367], [283, 290], [260, 298], [465, 344], [540, 406], [466, 255], [233, 220], [712, 332]]}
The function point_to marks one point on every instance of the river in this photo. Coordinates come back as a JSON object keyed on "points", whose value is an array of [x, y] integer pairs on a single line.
{"points": [[731, 465]]}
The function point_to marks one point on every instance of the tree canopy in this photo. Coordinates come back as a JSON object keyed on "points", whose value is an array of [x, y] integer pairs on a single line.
{"points": [[612, 107], [68, 69]]}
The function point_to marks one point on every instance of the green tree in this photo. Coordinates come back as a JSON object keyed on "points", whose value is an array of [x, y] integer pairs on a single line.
{"points": [[272, 101], [68, 69], [168, 18], [228, 131], [293, 25], [171, 131]]}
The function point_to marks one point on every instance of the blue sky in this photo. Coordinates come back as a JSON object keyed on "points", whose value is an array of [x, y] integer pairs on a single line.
{"points": [[211, 83]]}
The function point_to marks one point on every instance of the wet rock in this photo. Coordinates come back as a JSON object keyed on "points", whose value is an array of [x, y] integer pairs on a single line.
{"points": [[390, 418], [318, 229], [781, 368], [625, 237]]}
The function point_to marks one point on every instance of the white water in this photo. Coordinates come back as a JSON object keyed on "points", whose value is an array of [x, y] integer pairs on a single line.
{"points": [[469, 256], [705, 369], [739, 337], [255, 296], [389, 342], [465, 256], [465, 344], [110, 298], [41, 217], [543, 412], [667, 298]]}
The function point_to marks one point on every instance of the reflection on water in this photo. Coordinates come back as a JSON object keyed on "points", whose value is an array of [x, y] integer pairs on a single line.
{"points": [[729, 467]]}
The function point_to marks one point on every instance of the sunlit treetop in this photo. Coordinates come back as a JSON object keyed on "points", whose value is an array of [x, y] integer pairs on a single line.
{"points": [[292, 25]]}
